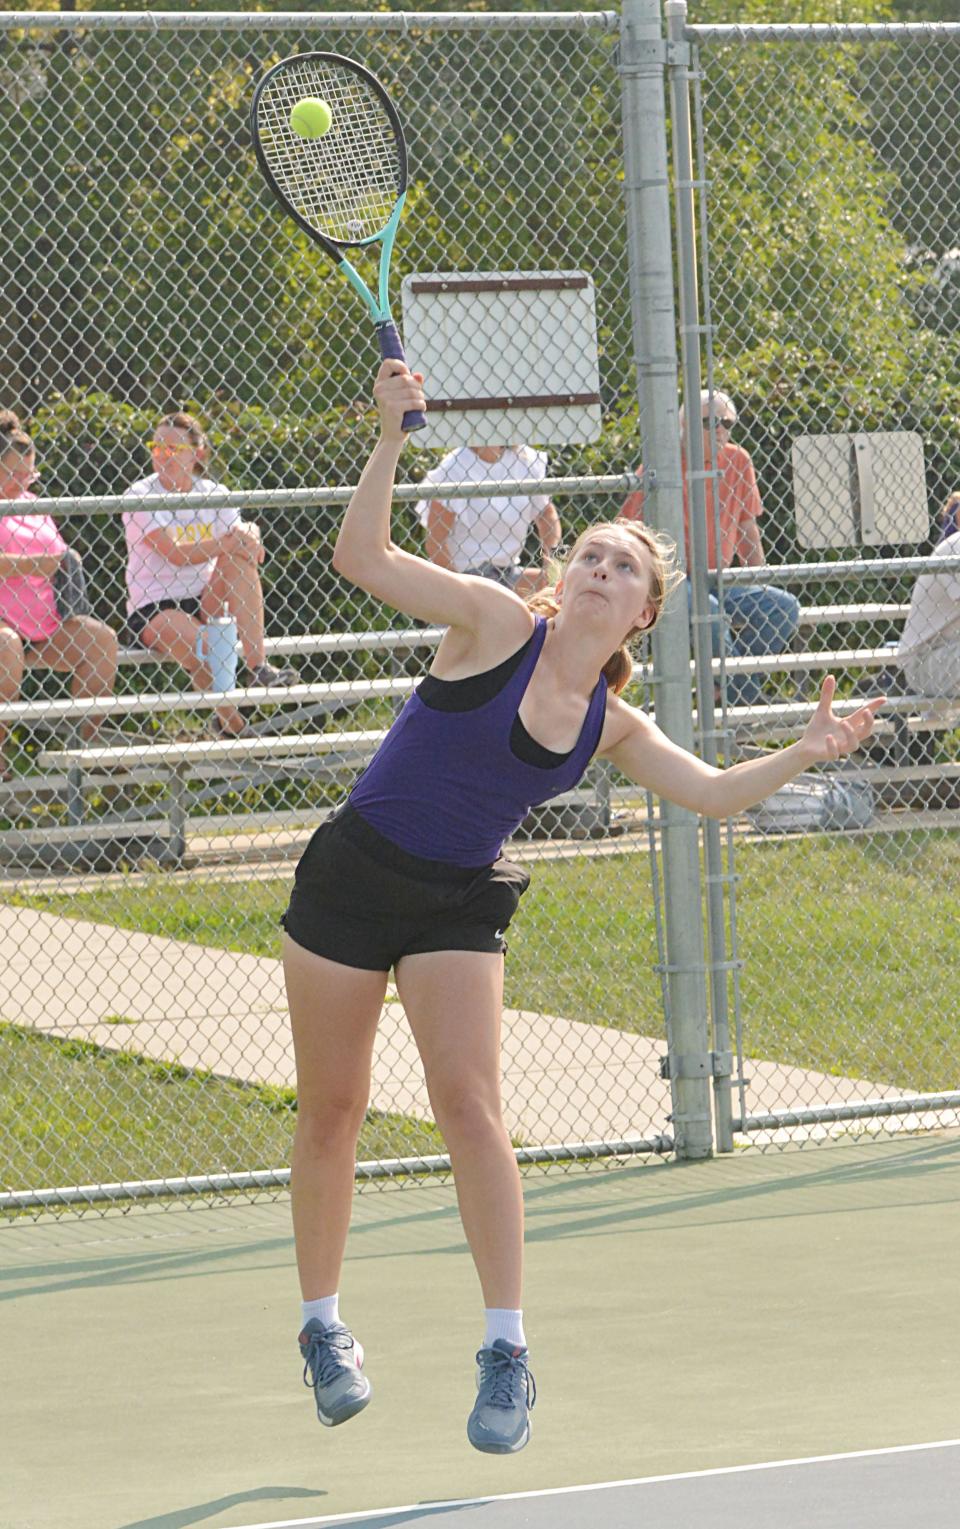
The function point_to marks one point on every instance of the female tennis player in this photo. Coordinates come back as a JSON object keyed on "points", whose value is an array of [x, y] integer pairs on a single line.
{"points": [[409, 874]]}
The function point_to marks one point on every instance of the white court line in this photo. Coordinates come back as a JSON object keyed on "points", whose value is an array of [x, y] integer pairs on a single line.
{"points": [[598, 1486]]}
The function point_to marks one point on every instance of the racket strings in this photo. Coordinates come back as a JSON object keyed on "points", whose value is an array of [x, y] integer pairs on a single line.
{"points": [[346, 183]]}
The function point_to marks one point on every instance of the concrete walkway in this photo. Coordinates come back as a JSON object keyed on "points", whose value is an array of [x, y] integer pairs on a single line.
{"points": [[226, 1013]]}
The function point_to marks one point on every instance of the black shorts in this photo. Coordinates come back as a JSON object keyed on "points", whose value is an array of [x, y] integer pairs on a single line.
{"points": [[137, 620], [361, 900]]}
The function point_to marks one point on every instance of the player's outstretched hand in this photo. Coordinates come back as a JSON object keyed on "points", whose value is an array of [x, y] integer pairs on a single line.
{"points": [[829, 736], [396, 392]]}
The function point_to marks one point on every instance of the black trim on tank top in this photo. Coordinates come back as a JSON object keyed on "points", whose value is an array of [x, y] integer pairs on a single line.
{"points": [[530, 752], [476, 690]]}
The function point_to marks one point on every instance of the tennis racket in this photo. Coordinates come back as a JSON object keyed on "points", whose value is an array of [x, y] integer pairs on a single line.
{"points": [[346, 188]]}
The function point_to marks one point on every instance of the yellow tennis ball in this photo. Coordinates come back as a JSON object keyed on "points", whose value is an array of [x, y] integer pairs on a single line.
{"points": [[311, 117]]}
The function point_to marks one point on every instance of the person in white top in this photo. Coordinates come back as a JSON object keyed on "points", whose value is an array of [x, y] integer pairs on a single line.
{"points": [[185, 567], [929, 651], [486, 536]]}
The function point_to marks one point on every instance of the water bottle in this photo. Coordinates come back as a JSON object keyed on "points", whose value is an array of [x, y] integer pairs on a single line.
{"points": [[216, 647]]}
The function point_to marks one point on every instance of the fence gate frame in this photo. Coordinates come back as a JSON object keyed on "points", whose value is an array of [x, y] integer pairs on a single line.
{"points": [[698, 329]]}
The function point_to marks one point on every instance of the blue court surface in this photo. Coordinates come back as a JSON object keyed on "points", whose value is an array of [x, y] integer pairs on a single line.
{"points": [[879, 1489]]}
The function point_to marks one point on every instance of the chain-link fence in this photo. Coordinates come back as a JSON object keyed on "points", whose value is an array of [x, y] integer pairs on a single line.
{"points": [[828, 166], [166, 330]]}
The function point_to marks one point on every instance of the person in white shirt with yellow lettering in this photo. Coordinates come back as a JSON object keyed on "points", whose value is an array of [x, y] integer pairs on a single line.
{"points": [[186, 567]]}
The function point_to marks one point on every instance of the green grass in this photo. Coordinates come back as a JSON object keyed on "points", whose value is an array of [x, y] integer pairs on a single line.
{"points": [[71, 1113], [849, 951], [851, 956], [849, 945]]}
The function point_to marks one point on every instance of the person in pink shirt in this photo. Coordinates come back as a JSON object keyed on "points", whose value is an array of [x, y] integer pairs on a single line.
{"points": [[761, 618], [40, 590]]}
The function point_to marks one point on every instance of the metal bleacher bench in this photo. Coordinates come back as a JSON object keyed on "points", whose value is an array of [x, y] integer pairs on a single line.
{"points": [[904, 716], [817, 615], [172, 762], [772, 719], [330, 753]]}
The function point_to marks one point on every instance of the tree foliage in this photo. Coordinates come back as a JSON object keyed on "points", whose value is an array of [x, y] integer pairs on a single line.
{"points": [[816, 164], [145, 264]]}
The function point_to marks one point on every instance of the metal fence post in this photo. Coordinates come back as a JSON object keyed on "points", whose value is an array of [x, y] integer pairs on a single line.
{"points": [[643, 55], [690, 331]]}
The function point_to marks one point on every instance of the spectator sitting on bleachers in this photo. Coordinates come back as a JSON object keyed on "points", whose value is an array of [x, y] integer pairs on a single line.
{"points": [[761, 618], [929, 651], [486, 536], [186, 567], [45, 619]]}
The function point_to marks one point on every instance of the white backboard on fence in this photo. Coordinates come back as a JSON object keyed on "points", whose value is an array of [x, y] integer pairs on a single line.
{"points": [[509, 357], [860, 490]]}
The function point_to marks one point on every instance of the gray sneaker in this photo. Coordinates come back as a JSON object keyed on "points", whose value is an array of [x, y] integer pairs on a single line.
{"points": [[267, 676], [500, 1421], [332, 1366]]}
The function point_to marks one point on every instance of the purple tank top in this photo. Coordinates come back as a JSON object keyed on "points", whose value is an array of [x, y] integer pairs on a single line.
{"points": [[447, 785]]}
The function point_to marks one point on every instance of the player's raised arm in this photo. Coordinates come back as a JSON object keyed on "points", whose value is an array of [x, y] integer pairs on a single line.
{"points": [[365, 553]]}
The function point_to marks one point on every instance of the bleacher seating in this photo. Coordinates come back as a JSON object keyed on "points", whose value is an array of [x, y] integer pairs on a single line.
{"points": [[289, 743]]}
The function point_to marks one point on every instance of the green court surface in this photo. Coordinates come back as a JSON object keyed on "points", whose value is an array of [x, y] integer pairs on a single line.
{"points": [[681, 1318]]}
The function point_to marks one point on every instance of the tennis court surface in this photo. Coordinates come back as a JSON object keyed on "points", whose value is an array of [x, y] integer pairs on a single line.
{"points": [[761, 1340]]}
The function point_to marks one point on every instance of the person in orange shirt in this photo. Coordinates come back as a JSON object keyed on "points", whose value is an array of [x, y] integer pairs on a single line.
{"points": [[760, 618]]}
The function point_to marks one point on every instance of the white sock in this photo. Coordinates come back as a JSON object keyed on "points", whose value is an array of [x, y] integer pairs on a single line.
{"points": [[506, 1324], [326, 1310]]}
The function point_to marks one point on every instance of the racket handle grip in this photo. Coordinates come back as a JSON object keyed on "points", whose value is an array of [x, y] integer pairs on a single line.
{"points": [[391, 349]]}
